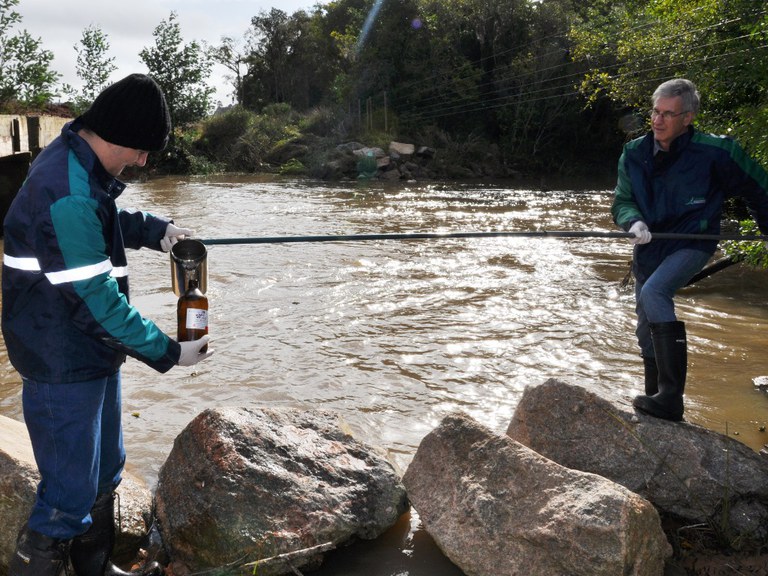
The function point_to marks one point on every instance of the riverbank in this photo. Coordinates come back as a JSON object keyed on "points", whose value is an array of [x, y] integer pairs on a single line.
{"points": [[318, 144]]}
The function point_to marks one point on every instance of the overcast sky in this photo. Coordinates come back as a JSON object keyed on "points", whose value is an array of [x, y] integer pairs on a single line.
{"points": [[129, 25]]}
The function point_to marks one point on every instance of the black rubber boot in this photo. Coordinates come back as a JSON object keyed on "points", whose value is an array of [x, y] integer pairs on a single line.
{"points": [[651, 375], [90, 552], [38, 555], [671, 349]]}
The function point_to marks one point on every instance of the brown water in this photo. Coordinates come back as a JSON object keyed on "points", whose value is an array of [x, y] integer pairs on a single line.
{"points": [[394, 335]]}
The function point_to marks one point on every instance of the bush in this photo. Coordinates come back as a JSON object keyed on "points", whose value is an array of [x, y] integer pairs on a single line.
{"points": [[267, 131], [293, 167], [220, 133], [321, 121], [754, 254]]}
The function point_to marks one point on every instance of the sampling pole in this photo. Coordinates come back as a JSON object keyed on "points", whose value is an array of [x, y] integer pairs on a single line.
{"points": [[490, 234]]}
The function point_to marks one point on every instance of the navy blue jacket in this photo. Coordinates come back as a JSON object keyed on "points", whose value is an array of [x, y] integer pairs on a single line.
{"points": [[685, 192], [66, 315]]}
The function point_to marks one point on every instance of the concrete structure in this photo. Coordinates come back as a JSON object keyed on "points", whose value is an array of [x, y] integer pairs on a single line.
{"points": [[28, 133], [21, 138]]}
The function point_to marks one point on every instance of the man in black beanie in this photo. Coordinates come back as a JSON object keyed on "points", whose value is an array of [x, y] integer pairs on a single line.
{"points": [[131, 113], [68, 324]]}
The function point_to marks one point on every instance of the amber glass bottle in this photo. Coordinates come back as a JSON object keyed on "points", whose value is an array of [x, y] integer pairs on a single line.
{"points": [[192, 314]]}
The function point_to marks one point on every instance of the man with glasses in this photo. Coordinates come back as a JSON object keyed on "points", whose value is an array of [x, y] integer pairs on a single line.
{"points": [[676, 179]]}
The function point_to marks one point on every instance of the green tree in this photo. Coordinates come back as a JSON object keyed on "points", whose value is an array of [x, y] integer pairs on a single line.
{"points": [[181, 70], [628, 47], [543, 123], [338, 29], [232, 56], [93, 67], [25, 73], [273, 35], [382, 56], [501, 73], [290, 60]]}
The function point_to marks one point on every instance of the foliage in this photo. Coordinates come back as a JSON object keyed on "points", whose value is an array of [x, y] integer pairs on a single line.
{"points": [[322, 121], [220, 133], [286, 61], [293, 167], [181, 70], [629, 47], [231, 55], [185, 156], [25, 73], [752, 253], [242, 140], [270, 129], [93, 68], [548, 85]]}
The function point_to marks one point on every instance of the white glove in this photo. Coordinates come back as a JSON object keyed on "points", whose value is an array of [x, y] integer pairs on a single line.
{"points": [[641, 232], [172, 235], [190, 351]]}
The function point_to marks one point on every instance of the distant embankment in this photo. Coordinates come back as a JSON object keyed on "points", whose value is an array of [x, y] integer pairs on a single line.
{"points": [[21, 138]]}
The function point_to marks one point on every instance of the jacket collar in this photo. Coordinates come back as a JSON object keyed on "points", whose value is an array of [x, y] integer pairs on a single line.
{"points": [[677, 145], [85, 155]]}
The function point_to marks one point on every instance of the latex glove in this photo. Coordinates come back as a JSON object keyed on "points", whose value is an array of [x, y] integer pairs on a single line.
{"points": [[641, 232], [190, 351], [172, 235]]}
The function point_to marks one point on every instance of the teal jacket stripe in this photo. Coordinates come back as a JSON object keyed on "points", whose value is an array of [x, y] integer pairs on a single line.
{"points": [[81, 241], [737, 154], [624, 208]]}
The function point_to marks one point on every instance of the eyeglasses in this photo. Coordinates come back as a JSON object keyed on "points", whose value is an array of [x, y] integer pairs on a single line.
{"points": [[667, 114]]}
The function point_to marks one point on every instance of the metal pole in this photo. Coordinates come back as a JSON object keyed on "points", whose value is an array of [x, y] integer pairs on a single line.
{"points": [[447, 235]]}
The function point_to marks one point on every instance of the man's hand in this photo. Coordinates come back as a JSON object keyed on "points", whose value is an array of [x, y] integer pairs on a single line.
{"points": [[641, 232], [190, 351], [172, 235]]}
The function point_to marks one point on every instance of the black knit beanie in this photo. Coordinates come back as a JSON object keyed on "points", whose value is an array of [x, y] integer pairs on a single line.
{"points": [[131, 113]]}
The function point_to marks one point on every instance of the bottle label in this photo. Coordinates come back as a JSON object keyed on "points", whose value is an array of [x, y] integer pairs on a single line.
{"points": [[197, 319]]}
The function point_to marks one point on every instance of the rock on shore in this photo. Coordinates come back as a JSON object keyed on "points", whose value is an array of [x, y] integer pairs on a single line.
{"points": [[242, 485], [498, 508], [687, 472]]}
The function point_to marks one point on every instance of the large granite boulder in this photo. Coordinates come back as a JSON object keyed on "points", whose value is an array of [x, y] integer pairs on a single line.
{"points": [[497, 508], [18, 485], [241, 485], [686, 471]]}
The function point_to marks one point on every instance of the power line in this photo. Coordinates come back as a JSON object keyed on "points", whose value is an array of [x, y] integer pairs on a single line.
{"points": [[478, 72], [525, 97], [443, 108], [529, 98]]}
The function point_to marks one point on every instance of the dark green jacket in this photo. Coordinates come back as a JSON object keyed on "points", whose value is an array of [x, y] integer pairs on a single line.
{"points": [[684, 192]]}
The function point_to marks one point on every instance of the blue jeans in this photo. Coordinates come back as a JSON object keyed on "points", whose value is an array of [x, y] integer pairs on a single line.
{"points": [[77, 438], [653, 297]]}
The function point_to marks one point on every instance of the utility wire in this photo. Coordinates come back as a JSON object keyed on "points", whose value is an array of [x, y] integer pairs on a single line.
{"points": [[479, 72], [537, 95], [566, 77], [457, 107], [719, 25]]}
